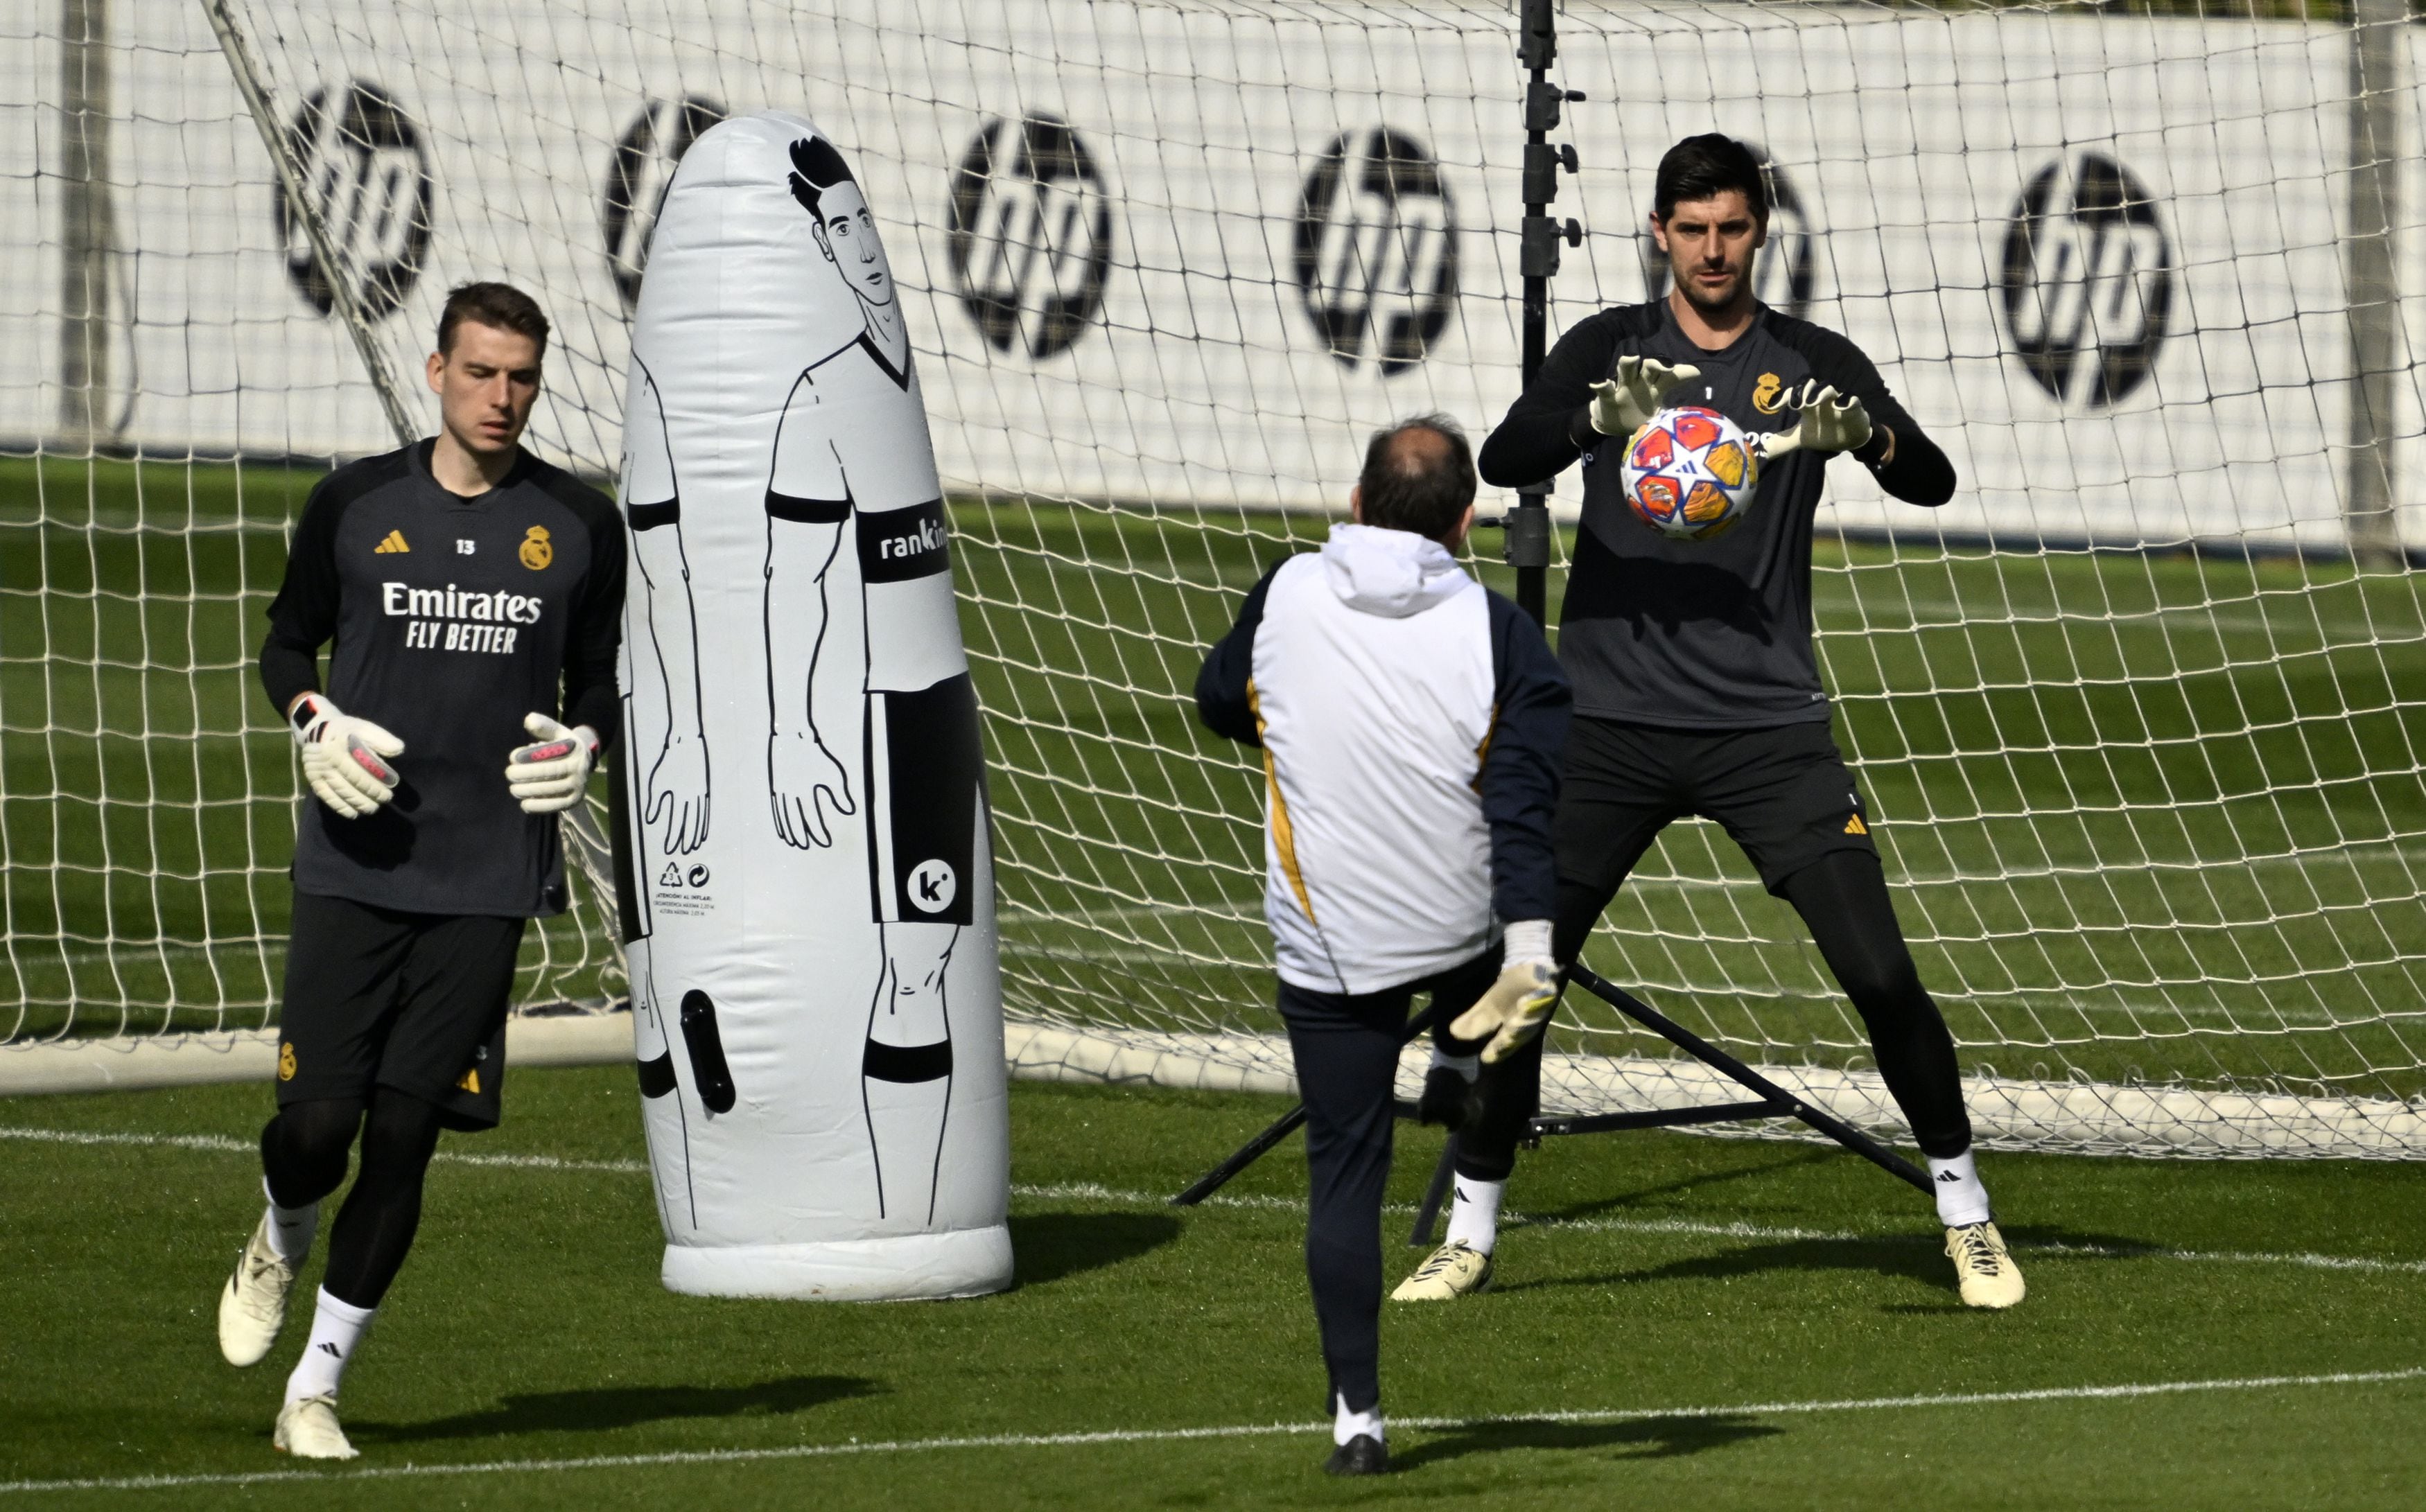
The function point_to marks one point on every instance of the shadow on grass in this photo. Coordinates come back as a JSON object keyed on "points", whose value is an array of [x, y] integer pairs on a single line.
{"points": [[604, 1408], [1638, 1439], [1604, 1207], [1050, 1246], [1919, 1257]]}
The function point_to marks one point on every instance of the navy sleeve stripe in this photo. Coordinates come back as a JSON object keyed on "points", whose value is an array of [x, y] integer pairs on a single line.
{"points": [[801, 511], [1223, 700], [1519, 781], [650, 516]]}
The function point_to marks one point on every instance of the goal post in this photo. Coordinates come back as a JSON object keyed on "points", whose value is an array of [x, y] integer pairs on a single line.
{"points": [[2137, 716]]}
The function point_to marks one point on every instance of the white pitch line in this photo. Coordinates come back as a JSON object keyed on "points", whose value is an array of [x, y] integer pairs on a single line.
{"points": [[1264, 1202], [2123, 1392]]}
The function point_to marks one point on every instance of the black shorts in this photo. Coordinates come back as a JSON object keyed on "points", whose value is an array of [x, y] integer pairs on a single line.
{"points": [[375, 997], [926, 782], [1783, 794]]}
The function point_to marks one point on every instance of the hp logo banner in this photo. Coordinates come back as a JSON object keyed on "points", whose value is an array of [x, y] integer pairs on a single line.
{"points": [[1030, 234], [2088, 280], [645, 158], [367, 173], [1376, 248]]}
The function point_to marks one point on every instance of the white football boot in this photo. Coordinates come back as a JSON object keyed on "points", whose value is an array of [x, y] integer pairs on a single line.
{"points": [[1987, 1273], [1455, 1269], [308, 1430], [253, 1305]]}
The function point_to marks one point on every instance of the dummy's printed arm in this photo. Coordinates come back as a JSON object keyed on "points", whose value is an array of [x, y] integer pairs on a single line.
{"points": [[1225, 700], [808, 505], [674, 785]]}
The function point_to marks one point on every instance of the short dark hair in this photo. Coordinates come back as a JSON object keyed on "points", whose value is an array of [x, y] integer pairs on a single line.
{"points": [[1419, 476], [816, 167], [500, 305], [1704, 167]]}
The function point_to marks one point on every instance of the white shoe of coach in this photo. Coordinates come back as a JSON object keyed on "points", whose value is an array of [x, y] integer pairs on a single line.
{"points": [[253, 1305], [307, 1429]]}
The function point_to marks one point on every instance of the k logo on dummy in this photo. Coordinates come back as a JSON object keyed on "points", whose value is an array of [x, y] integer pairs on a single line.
{"points": [[815, 984]]}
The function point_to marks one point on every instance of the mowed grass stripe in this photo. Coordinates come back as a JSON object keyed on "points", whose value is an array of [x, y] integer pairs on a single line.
{"points": [[1095, 1438], [1113, 1197]]}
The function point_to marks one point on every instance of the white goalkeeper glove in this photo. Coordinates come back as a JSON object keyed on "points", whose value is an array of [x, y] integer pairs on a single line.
{"points": [[551, 774], [1830, 422], [1520, 1002], [344, 758], [1625, 402]]}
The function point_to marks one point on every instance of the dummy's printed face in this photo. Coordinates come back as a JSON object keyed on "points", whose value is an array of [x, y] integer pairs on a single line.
{"points": [[486, 383], [1710, 246], [847, 233]]}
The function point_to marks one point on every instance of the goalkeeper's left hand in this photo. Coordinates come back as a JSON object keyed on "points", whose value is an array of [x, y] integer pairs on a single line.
{"points": [[1520, 1002], [551, 774], [1830, 422]]}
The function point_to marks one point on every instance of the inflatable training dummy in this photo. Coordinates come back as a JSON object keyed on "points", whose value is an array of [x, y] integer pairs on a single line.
{"points": [[807, 880]]}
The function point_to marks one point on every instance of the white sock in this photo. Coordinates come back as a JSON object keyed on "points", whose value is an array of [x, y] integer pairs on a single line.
{"points": [[336, 1329], [1961, 1197], [291, 1229], [1468, 1066], [1346, 1424], [1474, 1216]]}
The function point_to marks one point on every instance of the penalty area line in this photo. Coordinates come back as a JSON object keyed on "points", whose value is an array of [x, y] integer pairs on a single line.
{"points": [[675, 1458], [1260, 1202]]}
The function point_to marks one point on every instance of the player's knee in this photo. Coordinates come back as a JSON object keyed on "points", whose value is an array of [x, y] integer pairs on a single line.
{"points": [[400, 1136], [304, 1149]]}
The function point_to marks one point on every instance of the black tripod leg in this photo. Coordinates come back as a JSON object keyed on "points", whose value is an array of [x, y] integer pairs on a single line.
{"points": [[1443, 1175], [1281, 1128], [1710, 1054]]}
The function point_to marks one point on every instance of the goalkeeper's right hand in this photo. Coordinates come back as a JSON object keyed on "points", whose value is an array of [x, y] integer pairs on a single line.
{"points": [[1624, 403], [1521, 1001], [343, 756]]}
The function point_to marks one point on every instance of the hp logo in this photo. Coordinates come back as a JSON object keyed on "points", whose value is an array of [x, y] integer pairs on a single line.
{"points": [[1376, 248], [645, 158], [1030, 234], [2088, 280], [367, 173]]}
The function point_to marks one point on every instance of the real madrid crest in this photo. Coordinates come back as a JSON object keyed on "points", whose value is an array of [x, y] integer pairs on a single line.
{"points": [[536, 553]]}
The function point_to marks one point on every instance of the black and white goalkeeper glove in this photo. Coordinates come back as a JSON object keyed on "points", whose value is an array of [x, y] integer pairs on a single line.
{"points": [[1521, 1001], [551, 773], [345, 759], [1624, 401]]}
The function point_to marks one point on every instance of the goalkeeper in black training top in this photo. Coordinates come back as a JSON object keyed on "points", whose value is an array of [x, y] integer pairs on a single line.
{"points": [[461, 579], [1696, 691]]}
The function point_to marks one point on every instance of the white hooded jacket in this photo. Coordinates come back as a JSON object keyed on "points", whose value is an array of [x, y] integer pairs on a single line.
{"points": [[1411, 721]]}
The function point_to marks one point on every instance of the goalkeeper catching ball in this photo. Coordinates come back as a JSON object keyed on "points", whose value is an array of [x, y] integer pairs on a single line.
{"points": [[461, 581], [1696, 689], [1411, 722]]}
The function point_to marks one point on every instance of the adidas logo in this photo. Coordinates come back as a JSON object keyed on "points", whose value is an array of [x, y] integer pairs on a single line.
{"points": [[332, 1351], [1853, 825], [392, 543], [1948, 1176]]}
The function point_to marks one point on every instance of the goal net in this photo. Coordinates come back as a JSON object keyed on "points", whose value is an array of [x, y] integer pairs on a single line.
{"points": [[2139, 715]]}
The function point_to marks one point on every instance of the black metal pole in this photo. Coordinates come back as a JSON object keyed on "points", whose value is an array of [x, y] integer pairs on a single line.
{"points": [[1527, 524]]}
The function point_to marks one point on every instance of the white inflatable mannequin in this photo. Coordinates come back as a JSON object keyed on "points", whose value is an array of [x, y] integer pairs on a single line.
{"points": [[814, 977]]}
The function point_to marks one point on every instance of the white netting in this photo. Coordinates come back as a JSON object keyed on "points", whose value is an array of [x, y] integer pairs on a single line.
{"points": [[2142, 740]]}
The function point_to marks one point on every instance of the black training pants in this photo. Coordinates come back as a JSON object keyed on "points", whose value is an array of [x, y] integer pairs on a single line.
{"points": [[1786, 798], [1347, 1053]]}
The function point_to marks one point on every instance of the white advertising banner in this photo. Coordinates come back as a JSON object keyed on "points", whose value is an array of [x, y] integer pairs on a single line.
{"points": [[1189, 255]]}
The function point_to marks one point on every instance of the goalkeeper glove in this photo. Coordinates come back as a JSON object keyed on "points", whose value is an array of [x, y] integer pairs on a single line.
{"points": [[1830, 422], [343, 756], [1622, 404], [551, 774], [1520, 1002]]}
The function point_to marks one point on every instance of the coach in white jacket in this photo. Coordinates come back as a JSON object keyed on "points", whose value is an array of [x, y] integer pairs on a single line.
{"points": [[1411, 722]]}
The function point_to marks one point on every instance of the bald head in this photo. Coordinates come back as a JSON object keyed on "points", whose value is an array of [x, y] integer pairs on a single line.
{"points": [[1419, 476]]}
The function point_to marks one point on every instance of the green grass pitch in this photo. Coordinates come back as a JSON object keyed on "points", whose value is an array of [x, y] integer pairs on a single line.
{"points": [[1687, 1322]]}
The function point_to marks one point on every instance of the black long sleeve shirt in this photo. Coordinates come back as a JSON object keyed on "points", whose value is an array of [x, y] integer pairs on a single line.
{"points": [[453, 617], [1715, 634]]}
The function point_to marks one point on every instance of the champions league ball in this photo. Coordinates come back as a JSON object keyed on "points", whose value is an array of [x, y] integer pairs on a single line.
{"points": [[1690, 472]]}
